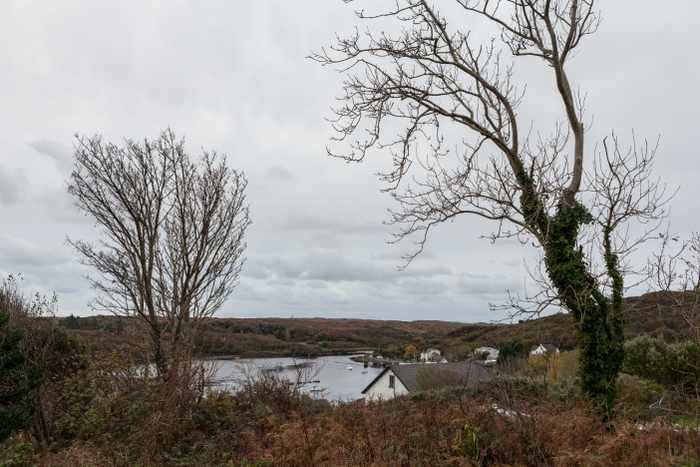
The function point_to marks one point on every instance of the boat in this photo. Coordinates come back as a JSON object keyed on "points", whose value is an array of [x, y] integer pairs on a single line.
{"points": [[349, 367], [317, 389]]}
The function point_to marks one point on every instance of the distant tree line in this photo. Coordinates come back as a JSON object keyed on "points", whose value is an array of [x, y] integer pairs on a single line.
{"points": [[92, 323]]}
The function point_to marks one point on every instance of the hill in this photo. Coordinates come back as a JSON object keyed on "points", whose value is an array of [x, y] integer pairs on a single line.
{"points": [[652, 313]]}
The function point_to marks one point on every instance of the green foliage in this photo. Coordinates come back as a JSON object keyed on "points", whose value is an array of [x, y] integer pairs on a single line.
{"points": [[598, 319], [636, 395], [93, 323], [272, 329], [655, 360], [19, 378], [37, 356], [513, 348], [648, 358]]}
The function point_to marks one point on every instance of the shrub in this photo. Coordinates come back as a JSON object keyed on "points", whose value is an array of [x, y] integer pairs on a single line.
{"points": [[19, 378], [636, 395]]}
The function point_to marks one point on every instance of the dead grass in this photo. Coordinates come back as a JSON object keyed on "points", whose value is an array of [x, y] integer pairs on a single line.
{"points": [[268, 424]]}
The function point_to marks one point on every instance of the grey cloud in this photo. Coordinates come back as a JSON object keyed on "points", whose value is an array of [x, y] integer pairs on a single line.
{"points": [[340, 269], [317, 267], [280, 173], [60, 153], [20, 252], [424, 287], [437, 270], [13, 186], [336, 267], [58, 205], [475, 277], [328, 224], [281, 281], [285, 269], [255, 271], [484, 284]]}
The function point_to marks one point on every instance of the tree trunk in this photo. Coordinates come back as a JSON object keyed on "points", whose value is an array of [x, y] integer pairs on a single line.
{"points": [[597, 318]]}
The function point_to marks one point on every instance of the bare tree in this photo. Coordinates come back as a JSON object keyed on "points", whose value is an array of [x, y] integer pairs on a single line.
{"points": [[433, 80], [172, 246], [675, 273]]}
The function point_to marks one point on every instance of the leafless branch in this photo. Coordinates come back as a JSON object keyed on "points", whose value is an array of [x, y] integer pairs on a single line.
{"points": [[172, 231]]}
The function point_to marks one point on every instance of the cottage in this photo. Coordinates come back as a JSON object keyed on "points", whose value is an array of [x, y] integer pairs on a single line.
{"points": [[491, 353], [542, 349], [402, 379], [431, 355]]}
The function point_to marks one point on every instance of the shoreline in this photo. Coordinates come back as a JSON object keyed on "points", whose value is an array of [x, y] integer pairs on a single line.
{"points": [[257, 355]]}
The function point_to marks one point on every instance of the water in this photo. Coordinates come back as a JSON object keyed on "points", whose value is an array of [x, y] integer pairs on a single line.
{"points": [[329, 373]]}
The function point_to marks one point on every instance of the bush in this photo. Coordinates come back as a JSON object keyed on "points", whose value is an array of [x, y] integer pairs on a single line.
{"points": [[671, 365], [636, 395], [648, 358], [19, 378], [505, 421]]}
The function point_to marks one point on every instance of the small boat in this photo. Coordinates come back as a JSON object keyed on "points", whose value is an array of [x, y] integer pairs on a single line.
{"points": [[364, 371], [349, 367], [317, 389]]}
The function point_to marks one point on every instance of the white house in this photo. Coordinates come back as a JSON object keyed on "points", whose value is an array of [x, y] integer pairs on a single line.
{"points": [[402, 379], [431, 355], [542, 349], [492, 354]]}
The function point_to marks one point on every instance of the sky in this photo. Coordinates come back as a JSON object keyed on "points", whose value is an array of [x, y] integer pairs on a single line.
{"points": [[235, 77]]}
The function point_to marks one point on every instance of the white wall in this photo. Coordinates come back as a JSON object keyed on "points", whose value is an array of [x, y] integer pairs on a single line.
{"points": [[381, 390]]}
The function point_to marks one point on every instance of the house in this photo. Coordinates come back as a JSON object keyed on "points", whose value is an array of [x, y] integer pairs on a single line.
{"points": [[491, 353], [402, 379], [431, 355], [542, 349]]}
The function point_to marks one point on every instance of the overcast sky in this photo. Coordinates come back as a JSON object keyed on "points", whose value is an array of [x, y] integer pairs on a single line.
{"points": [[233, 76]]}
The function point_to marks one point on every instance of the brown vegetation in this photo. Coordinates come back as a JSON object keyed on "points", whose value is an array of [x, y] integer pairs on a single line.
{"points": [[530, 414], [282, 336], [653, 314], [503, 422]]}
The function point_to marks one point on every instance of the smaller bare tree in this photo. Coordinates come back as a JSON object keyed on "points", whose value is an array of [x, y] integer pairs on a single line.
{"points": [[172, 246], [675, 273]]}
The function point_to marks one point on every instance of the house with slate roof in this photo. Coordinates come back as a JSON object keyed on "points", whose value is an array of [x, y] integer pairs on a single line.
{"points": [[490, 352], [401, 379], [431, 355]]}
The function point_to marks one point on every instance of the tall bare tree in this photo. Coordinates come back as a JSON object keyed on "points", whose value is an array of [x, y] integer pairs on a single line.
{"points": [[432, 80], [172, 229]]}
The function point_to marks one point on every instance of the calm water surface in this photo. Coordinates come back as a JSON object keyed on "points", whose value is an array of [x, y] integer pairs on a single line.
{"points": [[333, 375]]}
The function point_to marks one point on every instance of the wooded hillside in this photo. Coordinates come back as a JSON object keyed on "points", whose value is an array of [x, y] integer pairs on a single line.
{"points": [[651, 313]]}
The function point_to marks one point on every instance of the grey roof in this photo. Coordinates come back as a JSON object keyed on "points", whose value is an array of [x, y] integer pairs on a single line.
{"points": [[471, 372]]}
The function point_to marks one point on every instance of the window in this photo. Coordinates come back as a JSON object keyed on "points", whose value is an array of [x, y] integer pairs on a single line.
{"points": [[391, 381]]}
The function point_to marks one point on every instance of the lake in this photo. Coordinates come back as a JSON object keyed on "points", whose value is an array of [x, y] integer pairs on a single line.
{"points": [[332, 373]]}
